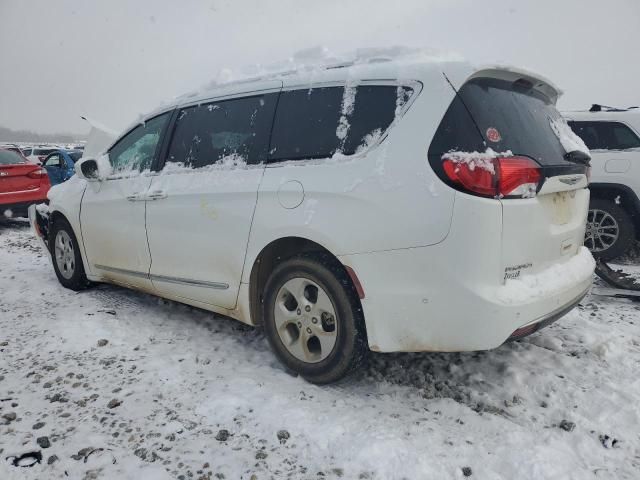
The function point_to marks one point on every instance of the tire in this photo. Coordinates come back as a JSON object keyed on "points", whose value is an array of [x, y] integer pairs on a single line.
{"points": [[605, 220], [66, 257], [335, 340]]}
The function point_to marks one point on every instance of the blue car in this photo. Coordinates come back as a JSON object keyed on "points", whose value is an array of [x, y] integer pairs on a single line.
{"points": [[59, 165]]}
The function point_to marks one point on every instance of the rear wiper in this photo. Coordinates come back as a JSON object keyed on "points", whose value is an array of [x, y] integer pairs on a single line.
{"points": [[578, 156]]}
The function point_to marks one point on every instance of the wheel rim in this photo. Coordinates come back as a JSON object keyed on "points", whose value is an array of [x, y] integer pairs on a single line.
{"points": [[602, 230], [65, 254], [305, 319]]}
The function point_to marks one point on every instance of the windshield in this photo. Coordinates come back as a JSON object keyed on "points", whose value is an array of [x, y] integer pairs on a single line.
{"points": [[9, 157], [75, 156]]}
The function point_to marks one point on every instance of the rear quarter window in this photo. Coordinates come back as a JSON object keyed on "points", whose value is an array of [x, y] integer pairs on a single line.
{"points": [[319, 122]]}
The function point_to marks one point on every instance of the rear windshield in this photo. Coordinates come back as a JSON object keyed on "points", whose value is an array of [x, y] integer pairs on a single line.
{"points": [[504, 116], [8, 157]]}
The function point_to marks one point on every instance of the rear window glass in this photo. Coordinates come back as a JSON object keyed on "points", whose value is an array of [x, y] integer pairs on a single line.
{"points": [[227, 132], [9, 157], [318, 122], [502, 116], [606, 135]]}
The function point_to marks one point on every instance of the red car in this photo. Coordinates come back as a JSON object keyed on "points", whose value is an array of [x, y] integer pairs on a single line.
{"points": [[21, 184]]}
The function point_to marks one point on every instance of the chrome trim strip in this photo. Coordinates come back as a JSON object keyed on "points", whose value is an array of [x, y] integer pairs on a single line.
{"points": [[185, 281], [122, 271], [164, 278]]}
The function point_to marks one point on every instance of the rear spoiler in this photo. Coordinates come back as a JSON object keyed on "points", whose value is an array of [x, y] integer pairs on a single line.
{"points": [[458, 77]]}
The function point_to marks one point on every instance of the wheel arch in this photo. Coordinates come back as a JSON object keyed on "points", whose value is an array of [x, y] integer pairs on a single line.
{"points": [[277, 251], [58, 214]]}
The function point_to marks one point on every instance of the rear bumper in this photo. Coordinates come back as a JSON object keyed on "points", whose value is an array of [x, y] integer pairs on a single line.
{"points": [[39, 226], [19, 209], [545, 321], [452, 297], [420, 300]]}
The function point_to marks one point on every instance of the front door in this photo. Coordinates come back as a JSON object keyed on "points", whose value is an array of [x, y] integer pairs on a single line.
{"points": [[112, 216], [201, 204], [54, 165]]}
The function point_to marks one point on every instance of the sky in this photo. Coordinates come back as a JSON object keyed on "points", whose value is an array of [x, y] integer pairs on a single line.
{"points": [[112, 60]]}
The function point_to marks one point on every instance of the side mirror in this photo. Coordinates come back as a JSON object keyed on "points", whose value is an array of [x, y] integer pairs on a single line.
{"points": [[92, 169], [87, 169]]}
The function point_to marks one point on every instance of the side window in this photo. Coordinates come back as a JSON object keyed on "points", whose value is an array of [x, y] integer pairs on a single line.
{"points": [[136, 150], [54, 160], [623, 137], [229, 132], [606, 135], [589, 134], [318, 122]]}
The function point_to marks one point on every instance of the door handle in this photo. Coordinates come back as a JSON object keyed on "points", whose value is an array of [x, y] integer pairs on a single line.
{"points": [[156, 195], [135, 197]]}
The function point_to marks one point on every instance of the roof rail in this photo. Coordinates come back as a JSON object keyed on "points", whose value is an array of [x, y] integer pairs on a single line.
{"points": [[596, 107]]}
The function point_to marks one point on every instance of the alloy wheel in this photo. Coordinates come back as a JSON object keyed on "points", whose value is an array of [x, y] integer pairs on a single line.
{"points": [[602, 230], [305, 319], [65, 254]]}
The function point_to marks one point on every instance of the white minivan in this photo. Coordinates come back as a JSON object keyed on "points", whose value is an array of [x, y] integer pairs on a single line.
{"points": [[386, 204]]}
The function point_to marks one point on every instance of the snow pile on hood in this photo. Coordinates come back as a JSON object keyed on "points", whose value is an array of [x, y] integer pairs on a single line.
{"points": [[569, 140], [481, 160], [553, 280]]}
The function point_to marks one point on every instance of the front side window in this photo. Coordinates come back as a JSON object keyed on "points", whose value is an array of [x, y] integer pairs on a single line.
{"points": [[229, 132], [54, 160], [319, 122], [136, 150], [606, 135]]}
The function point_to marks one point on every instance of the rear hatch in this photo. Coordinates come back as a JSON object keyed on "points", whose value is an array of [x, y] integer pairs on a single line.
{"points": [[16, 175], [508, 122]]}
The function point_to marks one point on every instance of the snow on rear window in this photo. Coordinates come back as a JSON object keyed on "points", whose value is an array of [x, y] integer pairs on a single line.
{"points": [[569, 140]]}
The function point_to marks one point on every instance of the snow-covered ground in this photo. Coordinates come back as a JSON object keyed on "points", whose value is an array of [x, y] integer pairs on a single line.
{"points": [[179, 393]]}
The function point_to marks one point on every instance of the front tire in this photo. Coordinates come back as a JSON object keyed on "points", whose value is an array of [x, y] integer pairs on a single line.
{"points": [[313, 318], [610, 230], [66, 257]]}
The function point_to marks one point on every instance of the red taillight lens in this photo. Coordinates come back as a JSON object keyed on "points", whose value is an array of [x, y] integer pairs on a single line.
{"points": [[474, 177], [517, 176], [495, 177], [39, 173]]}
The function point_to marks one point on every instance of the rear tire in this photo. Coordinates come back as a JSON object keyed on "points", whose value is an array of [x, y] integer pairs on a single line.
{"points": [[313, 319], [66, 257], [610, 230]]}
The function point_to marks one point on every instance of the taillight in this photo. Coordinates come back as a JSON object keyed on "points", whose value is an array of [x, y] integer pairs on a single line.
{"points": [[39, 173], [502, 176]]}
